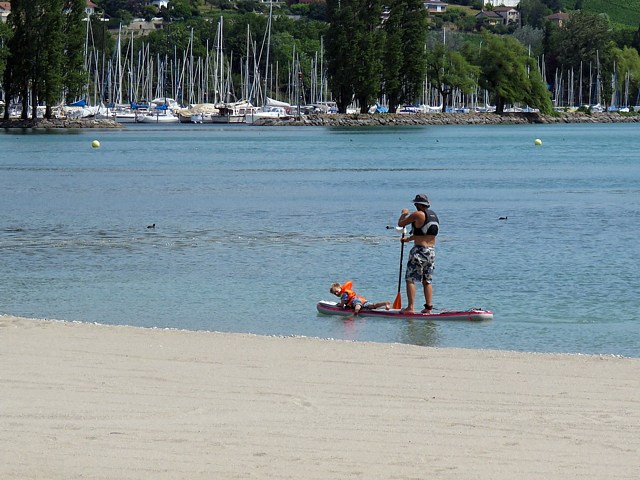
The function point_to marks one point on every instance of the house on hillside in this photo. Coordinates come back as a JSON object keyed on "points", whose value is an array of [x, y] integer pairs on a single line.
{"points": [[489, 17], [140, 27], [502, 3], [499, 16], [5, 10], [435, 6], [508, 14], [559, 18], [159, 3]]}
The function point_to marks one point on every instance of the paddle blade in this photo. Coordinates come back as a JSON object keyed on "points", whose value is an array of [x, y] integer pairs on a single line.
{"points": [[397, 303]]}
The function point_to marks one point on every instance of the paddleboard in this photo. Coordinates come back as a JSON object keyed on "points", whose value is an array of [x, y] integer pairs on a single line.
{"points": [[475, 314]]}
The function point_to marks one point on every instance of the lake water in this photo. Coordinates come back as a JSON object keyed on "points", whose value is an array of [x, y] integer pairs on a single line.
{"points": [[253, 224]]}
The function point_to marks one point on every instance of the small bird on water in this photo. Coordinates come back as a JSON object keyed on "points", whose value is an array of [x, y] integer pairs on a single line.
{"points": [[502, 218], [153, 225]]}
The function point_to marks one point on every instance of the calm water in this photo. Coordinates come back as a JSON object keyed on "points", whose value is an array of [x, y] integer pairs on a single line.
{"points": [[253, 224]]}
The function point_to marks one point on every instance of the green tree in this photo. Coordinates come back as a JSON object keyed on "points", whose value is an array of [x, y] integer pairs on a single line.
{"points": [[531, 38], [404, 56], [414, 40], [554, 5], [34, 71], [48, 74], [5, 35], [628, 66], [393, 59], [532, 13], [17, 72], [341, 50], [448, 70], [635, 43], [586, 43], [75, 75], [368, 39], [113, 8], [510, 75], [585, 36]]}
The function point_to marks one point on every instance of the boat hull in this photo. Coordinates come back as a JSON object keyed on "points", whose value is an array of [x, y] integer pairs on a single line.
{"points": [[227, 118], [164, 118], [474, 315]]}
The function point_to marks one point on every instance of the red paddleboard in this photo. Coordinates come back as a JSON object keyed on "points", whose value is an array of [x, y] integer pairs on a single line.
{"points": [[475, 314]]}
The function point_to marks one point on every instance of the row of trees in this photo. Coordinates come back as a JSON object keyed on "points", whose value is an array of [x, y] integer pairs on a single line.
{"points": [[44, 53], [367, 61]]}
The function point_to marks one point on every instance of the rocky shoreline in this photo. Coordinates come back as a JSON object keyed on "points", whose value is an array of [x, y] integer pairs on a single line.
{"points": [[44, 124], [368, 120]]}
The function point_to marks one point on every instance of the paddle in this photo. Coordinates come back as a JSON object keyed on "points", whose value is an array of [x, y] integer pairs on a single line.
{"points": [[397, 303]]}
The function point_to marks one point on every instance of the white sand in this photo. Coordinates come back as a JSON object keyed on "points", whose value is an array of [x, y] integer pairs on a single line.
{"points": [[102, 402]]}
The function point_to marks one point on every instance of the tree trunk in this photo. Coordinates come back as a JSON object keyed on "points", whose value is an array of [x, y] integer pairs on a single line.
{"points": [[34, 103], [445, 99], [25, 104]]}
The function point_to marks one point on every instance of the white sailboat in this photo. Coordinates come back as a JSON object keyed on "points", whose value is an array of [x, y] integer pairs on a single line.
{"points": [[272, 109]]}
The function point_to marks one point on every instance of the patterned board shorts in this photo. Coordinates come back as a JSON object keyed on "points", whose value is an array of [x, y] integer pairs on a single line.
{"points": [[421, 264], [357, 301]]}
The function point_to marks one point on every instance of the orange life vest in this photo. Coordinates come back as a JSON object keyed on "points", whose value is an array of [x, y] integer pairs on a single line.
{"points": [[351, 295]]}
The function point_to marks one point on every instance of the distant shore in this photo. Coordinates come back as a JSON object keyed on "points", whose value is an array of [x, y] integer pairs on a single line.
{"points": [[368, 120]]}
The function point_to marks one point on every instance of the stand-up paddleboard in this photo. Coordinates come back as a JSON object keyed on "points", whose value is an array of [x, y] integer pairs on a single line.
{"points": [[474, 314]]}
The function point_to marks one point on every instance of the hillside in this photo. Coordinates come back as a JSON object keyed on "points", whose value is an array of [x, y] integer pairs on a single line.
{"points": [[621, 12]]}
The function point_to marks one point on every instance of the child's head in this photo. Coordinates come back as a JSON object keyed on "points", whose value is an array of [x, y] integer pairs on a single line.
{"points": [[335, 289]]}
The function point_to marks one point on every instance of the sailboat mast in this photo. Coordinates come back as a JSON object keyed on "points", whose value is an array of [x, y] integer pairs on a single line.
{"points": [[266, 68]]}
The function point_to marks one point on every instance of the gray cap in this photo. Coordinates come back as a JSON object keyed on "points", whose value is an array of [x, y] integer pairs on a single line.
{"points": [[422, 199]]}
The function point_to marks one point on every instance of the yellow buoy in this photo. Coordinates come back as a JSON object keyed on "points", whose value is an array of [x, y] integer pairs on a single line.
{"points": [[537, 141], [95, 144]]}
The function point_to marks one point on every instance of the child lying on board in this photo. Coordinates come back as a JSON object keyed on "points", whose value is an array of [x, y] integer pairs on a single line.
{"points": [[350, 299]]}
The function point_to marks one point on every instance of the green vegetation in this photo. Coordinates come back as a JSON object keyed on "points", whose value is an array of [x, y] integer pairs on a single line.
{"points": [[449, 70], [620, 12], [39, 65], [355, 50], [507, 70]]}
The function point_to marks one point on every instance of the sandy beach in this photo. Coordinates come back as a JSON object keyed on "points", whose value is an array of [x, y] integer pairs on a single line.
{"points": [[107, 402]]}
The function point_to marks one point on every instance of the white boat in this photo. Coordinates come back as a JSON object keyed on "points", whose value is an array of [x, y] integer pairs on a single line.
{"points": [[125, 113], [273, 109], [407, 110], [232, 112], [79, 109], [158, 117], [163, 111], [424, 108], [197, 113], [124, 117], [326, 107]]}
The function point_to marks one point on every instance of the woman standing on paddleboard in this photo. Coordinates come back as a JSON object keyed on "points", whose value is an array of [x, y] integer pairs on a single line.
{"points": [[424, 229]]}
